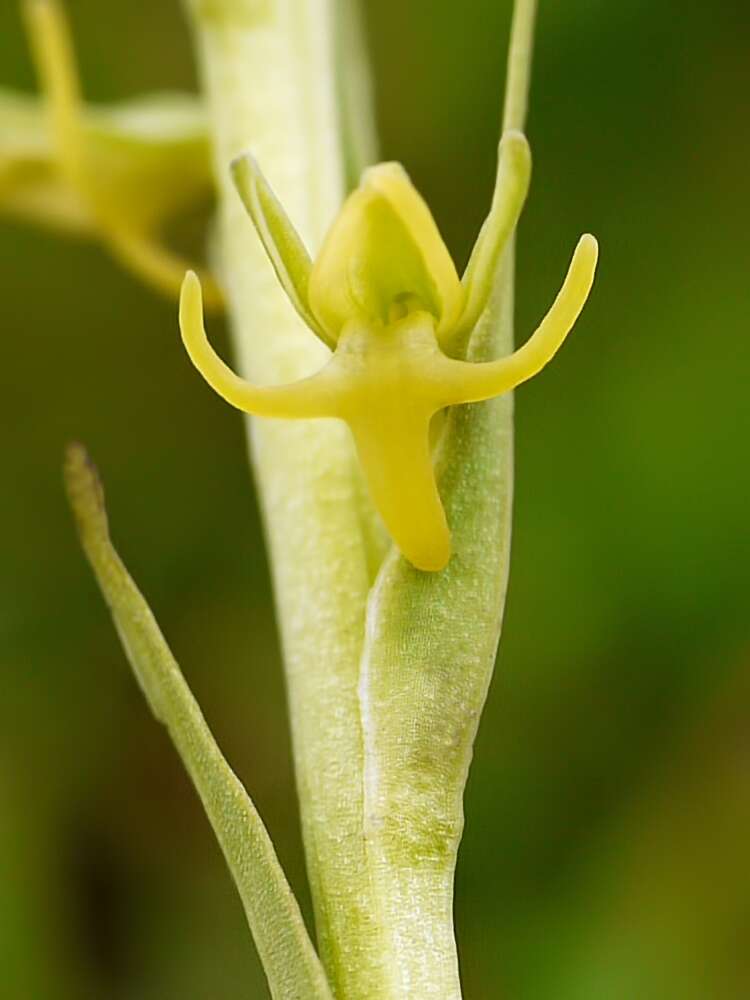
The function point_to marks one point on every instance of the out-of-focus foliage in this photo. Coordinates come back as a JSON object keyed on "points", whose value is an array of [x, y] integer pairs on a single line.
{"points": [[609, 808]]}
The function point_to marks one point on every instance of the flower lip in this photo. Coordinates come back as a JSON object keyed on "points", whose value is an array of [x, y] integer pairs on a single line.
{"points": [[383, 256]]}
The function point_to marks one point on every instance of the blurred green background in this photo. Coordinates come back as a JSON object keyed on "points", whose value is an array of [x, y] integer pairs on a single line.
{"points": [[606, 854]]}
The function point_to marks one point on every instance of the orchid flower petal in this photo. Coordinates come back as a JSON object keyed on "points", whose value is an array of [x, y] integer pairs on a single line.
{"points": [[282, 242]]}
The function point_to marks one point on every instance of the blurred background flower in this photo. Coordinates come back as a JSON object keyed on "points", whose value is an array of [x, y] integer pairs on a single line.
{"points": [[609, 806]]}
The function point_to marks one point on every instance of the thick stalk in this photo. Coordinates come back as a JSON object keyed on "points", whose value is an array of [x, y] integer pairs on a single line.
{"points": [[427, 664], [429, 656], [267, 67]]}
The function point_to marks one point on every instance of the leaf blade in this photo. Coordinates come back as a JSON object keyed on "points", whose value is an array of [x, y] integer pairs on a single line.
{"points": [[292, 967]]}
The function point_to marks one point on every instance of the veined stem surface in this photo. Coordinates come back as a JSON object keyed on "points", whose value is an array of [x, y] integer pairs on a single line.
{"points": [[267, 67], [430, 651]]}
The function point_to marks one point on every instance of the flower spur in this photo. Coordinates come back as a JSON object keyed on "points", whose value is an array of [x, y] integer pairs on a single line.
{"points": [[384, 295]]}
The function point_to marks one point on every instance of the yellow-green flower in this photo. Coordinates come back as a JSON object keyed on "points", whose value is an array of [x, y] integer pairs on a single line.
{"points": [[384, 295], [117, 173]]}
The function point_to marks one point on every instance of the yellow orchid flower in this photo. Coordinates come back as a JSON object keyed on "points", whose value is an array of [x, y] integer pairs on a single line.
{"points": [[384, 295], [113, 173]]}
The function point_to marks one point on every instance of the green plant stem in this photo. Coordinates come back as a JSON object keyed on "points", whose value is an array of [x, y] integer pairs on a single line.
{"points": [[430, 652], [267, 67], [518, 78]]}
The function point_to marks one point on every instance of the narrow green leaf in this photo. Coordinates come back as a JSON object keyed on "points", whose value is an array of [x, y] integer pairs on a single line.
{"points": [[280, 239], [293, 969]]}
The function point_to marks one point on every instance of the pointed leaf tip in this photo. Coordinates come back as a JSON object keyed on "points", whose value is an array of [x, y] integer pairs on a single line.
{"points": [[291, 964], [84, 489]]}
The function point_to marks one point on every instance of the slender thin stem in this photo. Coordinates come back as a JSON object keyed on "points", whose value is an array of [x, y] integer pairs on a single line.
{"points": [[293, 969], [518, 78]]}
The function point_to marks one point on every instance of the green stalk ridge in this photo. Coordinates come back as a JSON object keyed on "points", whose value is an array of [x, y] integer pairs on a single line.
{"points": [[270, 88], [431, 643]]}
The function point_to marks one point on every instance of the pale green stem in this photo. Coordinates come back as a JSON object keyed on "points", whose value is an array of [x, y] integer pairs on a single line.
{"points": [[429, 656], [518, 79], [293, 969], [267, 67]]}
